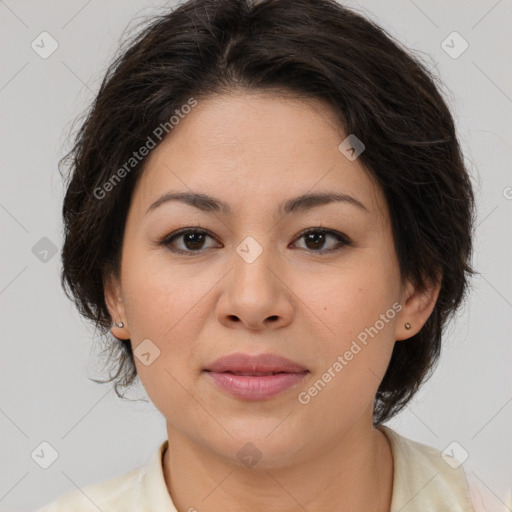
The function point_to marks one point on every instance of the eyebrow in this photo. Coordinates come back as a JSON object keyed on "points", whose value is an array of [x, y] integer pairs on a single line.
{"points": [[301, 203]]}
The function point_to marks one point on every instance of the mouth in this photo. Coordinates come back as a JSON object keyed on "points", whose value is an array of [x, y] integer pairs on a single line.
{"points": [[256, 386], [255, 377], [253, 374]]}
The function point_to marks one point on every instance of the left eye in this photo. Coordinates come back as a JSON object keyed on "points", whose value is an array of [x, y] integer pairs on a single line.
{"points": [[314, 238]]}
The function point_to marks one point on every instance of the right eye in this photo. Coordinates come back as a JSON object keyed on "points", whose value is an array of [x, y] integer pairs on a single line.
{"points": [[191, 240]]}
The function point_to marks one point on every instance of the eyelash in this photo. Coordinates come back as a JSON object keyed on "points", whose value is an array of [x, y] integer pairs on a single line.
{"points": [[169, 239]]}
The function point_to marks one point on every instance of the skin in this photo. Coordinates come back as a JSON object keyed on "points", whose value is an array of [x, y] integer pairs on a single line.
{"points": [[254, 150]]}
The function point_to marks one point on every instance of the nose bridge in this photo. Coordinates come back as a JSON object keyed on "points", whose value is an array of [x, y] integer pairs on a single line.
{"points": [[253, 263], [256, 233]]}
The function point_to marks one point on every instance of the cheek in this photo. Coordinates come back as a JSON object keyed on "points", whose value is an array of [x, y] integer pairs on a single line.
{"points": [[163, 299], [165, 314], [162, 305], [359, 304], [353, 358], [354, 297]]}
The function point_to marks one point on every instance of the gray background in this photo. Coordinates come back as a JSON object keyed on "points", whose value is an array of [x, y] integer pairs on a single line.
{"points": [[48, 351]]}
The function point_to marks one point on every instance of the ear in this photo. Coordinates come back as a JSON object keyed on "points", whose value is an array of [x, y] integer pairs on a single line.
{"points": [[418, 304], [115, 305]]}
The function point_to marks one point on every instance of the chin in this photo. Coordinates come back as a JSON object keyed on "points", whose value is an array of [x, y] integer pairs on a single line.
{"points": [[253, 446]]}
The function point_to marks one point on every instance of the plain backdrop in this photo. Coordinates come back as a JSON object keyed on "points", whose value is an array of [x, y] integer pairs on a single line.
{"points": [[48, 352]]}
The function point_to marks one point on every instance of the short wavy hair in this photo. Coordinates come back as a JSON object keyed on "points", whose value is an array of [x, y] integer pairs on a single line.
{"points": [[379, 90]]}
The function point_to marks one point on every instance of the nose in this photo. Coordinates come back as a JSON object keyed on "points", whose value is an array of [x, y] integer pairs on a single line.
{"points": [[255, 294]]}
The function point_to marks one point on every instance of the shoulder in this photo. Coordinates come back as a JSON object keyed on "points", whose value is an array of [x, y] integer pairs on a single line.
{"points": [[483, 498], [140, 489], [425, 478], [98, 496]]}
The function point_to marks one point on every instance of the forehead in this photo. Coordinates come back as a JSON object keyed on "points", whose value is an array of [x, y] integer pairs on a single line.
{"points": [[255, 148]]}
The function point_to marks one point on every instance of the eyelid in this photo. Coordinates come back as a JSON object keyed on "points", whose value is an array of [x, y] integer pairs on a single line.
{"points": [[321, 229]]}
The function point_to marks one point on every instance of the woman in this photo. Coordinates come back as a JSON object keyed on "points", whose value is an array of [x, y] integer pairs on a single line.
{"points": [[268, 209]]}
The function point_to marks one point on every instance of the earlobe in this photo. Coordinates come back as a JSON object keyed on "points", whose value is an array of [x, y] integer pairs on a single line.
{"points": [[114, 302], [418, 306]]}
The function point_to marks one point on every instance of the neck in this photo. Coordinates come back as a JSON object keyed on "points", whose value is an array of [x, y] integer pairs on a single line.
{"points": [[355, 473]]}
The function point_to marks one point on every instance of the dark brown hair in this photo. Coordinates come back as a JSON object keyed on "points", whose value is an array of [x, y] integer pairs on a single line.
{"points": [[381, 92]]}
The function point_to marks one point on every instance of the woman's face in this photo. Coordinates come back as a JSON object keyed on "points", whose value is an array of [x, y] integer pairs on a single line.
{"points": [[254, 283]]}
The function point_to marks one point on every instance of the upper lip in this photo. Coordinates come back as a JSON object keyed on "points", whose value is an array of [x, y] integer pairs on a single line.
{"points": [[262, 363]]}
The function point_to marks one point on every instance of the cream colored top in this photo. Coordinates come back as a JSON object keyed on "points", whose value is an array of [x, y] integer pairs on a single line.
{"points": [[422, 482]]}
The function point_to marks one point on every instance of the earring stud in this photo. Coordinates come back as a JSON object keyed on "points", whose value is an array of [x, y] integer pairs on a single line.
{"points": [[119, 324], [407, 325]]}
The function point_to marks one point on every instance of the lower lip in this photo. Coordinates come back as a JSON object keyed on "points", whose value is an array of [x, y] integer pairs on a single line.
{"points": [[256, 387]]}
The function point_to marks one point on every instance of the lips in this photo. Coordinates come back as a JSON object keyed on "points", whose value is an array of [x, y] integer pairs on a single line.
{"points": [[258, 377], [254, 374], [262, 364]]}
